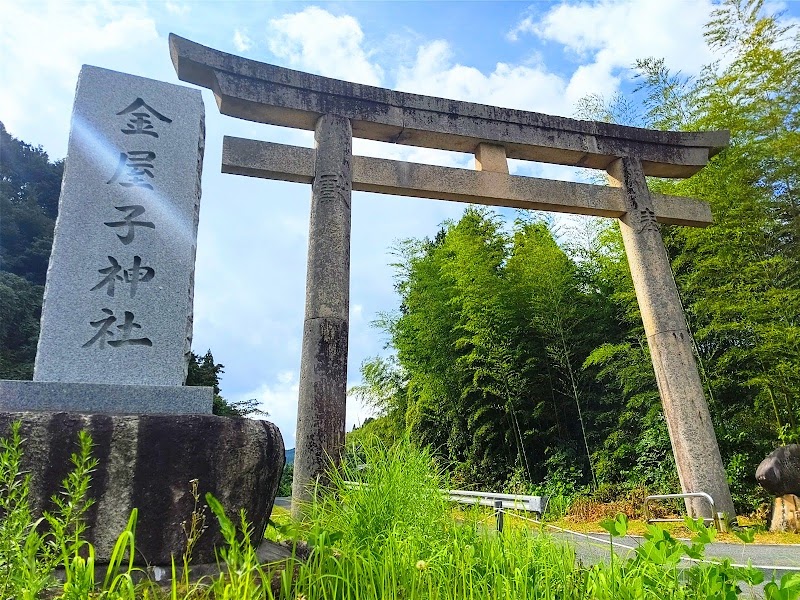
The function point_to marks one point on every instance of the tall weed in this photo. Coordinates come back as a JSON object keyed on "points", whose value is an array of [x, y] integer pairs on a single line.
{"points": [[31, 549], [392, 536], [396, 494], [19, 541]]}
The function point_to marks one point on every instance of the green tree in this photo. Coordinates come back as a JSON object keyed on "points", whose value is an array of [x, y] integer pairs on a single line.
{"points": [[384, 388], [285, 485], [29, 191], [571, 318], [203, 371], [20, 311], [491, 333], [438, 334]]}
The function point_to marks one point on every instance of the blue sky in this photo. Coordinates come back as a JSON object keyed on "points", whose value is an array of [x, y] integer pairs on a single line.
{"points": [[250, 275]]}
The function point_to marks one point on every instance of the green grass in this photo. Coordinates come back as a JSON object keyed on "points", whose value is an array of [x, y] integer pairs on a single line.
{"points": [[393, 538]]}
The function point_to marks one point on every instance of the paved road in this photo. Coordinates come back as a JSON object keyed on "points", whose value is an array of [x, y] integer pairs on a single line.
{"points": [[761, 555], [284, 502], [773, 559]]}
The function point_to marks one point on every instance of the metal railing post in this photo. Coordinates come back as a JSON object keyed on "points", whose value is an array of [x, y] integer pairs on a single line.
{"points": [[717, 518], [498, 513]]}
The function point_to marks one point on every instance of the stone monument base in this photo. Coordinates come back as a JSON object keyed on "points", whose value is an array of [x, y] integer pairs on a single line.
{"points": [[58, 396], [786, 514], [147, 462]]}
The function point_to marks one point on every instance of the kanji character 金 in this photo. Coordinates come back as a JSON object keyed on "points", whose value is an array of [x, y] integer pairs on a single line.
{"points": [[141, 121]]}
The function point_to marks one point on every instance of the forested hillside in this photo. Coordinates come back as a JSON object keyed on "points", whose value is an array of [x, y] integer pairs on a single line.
{"points": [[29, 189], [520, 354]]}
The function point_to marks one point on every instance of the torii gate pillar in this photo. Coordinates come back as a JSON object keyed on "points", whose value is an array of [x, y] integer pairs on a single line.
{"points": [[323, 360], [691, 431]]}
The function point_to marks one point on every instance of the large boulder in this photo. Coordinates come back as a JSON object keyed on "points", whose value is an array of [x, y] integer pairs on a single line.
{"points": [[779, 473], [147, 462]]}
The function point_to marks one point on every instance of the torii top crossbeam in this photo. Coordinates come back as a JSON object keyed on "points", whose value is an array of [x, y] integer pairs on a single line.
{"points": [[338, 110], [266, 93]]}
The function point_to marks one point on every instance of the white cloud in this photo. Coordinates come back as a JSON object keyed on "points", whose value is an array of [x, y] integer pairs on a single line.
{"points": [[241, 41], [285, 377], [608, 36], [46, 42], [356, 312], [280, 398], [614, 34], [178, 9], [594, 78], [527, 87], [318, 41], [428, 156], [356, 412], [526, 25]]}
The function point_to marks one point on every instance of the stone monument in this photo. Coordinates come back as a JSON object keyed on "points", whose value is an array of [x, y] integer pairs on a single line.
{"points": [[339, 110], [116, 330]]}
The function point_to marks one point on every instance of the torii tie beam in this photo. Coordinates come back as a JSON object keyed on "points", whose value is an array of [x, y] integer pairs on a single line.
{"points": [[338, 110]]}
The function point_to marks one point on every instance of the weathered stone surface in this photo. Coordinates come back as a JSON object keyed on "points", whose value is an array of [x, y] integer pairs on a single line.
{"points": [[694, 442], [104, 398], [292, 163], [118, 299], [147, 462], [779, 473], [491, 157], [786, 514], [266, 93], [323, 366]]}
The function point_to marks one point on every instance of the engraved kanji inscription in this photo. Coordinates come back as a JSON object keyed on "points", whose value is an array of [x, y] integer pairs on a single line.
{"points": [[647, 220], [134, 169], [134, 210], [642, 217], [331, 187], [141, 119], [106, 333], [115, 273]]}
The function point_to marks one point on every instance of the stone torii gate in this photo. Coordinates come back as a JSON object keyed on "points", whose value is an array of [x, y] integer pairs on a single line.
{"points": [[338, 110]]}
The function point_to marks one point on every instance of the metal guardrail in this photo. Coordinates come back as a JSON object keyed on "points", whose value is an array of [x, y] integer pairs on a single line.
{"points": [[536, 504], [718, 518]]}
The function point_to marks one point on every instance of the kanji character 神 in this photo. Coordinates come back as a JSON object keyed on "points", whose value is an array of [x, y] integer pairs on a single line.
{"points": [[132, 276]]}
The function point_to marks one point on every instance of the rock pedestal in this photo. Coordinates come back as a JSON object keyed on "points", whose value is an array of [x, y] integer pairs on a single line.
{"points": [[147, 462], [779, 474], [786, 514]]}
